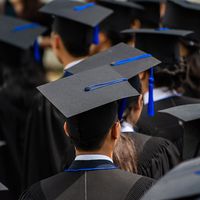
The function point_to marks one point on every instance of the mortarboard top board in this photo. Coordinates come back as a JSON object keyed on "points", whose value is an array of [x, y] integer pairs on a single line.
{"points": [[85, 91], [19, 33], [88, 14], [151, 15], [135, 61], [186, 113], [183, 14], [162, 43], [3, 187], [180, 183]]}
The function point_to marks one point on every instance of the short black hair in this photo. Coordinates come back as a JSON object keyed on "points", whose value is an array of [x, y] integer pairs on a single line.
{"points": [[76, 37], [89, 130]]}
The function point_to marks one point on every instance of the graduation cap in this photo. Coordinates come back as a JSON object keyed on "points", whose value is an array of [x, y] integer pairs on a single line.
{"points": [[87, 90], [183, 14], [88, 14], [3, 187], [151, 15], [163, 43], [186, 113], [180, 183], [126, 60], [124, 14], [17, 34]]}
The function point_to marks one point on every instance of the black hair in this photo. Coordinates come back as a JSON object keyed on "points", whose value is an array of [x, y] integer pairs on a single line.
{"points": [[192, 81], [89, 130], [170, 75], [76, 37]]}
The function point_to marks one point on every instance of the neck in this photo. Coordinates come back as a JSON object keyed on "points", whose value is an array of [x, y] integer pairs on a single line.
{"points": [[98, 152], [67, 59]]}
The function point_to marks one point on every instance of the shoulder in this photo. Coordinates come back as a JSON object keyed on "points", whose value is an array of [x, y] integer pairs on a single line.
{"points": [[140, 188], [33, 193]]}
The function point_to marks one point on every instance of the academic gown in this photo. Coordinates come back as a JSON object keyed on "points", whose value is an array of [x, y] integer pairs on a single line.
{"points": [[156, 156], [169, 127], [91, 179], [14, 108], [47, 148]]}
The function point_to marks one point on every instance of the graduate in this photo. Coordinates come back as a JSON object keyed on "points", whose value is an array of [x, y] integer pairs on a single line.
{"points": [[74, 29], [168, 78], [20, 76], [185, 15], [124, 16], [190, 115], [88, 100], [155, 156]]}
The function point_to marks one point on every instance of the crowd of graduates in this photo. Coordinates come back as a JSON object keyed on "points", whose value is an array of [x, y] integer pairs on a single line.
{"points": [[122, 119]]}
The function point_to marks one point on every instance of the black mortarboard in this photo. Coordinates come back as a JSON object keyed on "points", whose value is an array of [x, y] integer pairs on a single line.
{"points": [[17, 35], [124, 14], [126, 60], [87, 90], [88, 14], [150, 17], [3, 187], [133, 61], [162, 43], [186, 113], [183, 14], [180, 183]]}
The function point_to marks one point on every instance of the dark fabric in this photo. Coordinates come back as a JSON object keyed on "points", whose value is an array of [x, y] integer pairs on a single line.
{"points": [[15, 104], [166, 126], [47, 149], [156, 156], [102, 184]]}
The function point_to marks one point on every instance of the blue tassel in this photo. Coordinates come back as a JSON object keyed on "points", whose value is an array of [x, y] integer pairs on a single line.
{"points": [[96, 35], [25, 27], [132, 59], [83, 7], [122, 108], [105, 84], [151, 101], [162, 29], [37, 54]]}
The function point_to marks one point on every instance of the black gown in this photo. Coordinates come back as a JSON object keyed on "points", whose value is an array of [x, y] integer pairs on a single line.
{"points": [[156, 156], [47, 148], [100, 181], [169, 127], [14, 108]]}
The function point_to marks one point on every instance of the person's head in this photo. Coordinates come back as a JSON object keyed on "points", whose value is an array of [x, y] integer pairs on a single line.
{"points": [[122, 18], [96, 130], [70, 39], [164, 44], [134, 104], [125, 154]]}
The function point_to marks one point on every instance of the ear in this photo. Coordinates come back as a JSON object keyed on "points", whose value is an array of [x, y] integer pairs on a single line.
{"points": [[66, 128], [139, 105], [116, 130], [142, 75], [55, 41]]}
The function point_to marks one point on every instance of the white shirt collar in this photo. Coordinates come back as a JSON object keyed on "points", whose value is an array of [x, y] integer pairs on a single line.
{"points": [[159, 94], [72, 64], [93, 157], [126, 127]]}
